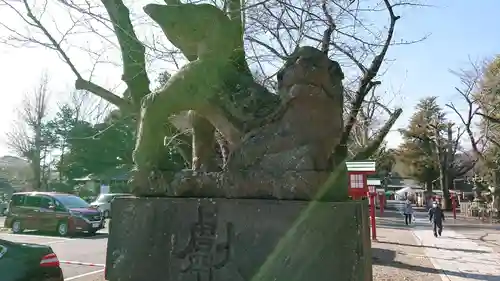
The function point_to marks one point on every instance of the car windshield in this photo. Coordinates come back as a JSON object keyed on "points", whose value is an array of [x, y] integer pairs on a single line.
{"points": [[104, 198], [71, 201]]}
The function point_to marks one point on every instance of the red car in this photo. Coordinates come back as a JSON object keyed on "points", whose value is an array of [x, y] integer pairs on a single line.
{"points": [[63, 213], [28, 262]]}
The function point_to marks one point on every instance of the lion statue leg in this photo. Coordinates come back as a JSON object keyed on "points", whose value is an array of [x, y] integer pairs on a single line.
{"points": [[189, 89], [204, 153]]}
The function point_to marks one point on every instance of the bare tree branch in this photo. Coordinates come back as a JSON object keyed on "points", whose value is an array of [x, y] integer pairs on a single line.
{"points": [[377, 141], [470, 82], [489, 118], [26, 138], [327, 35], [133, 51], [269, 48], [81, 83], [366, 82]]}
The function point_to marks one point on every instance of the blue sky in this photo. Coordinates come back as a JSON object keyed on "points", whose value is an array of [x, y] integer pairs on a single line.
{"points": [[458, 28]]}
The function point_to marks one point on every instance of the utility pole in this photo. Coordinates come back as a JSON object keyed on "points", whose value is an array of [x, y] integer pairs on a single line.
{"points": [[447, 165], [451, 155]]}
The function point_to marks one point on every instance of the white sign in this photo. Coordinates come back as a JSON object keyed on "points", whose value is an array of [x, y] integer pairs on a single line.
{"points": [[104, 189], [360, 166], [371, 189]]}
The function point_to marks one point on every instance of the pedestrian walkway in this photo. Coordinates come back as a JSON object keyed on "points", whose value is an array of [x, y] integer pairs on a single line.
{"points": [[458, 257]]}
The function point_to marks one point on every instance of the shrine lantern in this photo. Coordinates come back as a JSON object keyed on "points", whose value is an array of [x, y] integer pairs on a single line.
{"points": [[357, 172]]}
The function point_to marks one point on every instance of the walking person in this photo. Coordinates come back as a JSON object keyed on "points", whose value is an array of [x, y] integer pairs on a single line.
{"points": [[408, 211], [436, 217]]}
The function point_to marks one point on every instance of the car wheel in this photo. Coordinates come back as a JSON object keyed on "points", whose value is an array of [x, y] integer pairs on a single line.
{"points": [[63, 229], [17, 227], [106, 214]]}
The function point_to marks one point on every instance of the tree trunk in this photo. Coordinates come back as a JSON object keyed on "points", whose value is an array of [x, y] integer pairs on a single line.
{"points": [[61, 161], [428, 186], [36, 161], [496, 192], [446, 201], [447, 165]]}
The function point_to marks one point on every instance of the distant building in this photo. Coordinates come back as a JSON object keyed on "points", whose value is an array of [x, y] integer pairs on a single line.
{"points": [[117, 178]]}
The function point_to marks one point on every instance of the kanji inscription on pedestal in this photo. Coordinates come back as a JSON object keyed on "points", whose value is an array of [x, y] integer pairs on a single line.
{"points": [[203, 253]]}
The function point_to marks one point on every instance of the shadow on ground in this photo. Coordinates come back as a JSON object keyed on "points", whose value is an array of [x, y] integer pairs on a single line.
{"points": [[471, 225], [393, 223], [388, 214], [434, 247], [481, 238], [386, 257]]}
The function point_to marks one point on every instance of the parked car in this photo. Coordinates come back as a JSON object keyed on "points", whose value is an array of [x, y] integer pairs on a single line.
{"points": [[63, 213], [103, 202], [28, 262]]}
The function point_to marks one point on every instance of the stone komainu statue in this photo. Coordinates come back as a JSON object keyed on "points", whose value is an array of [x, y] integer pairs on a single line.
{"points": [[223, 92], [291, 134]]}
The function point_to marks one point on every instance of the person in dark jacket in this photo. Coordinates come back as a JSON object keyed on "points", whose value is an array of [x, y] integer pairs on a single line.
{"points": [[436, 217]]}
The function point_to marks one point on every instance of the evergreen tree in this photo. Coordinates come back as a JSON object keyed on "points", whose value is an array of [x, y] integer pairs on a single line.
{"points": [[419, 152], [385, 159], [99, 148]]}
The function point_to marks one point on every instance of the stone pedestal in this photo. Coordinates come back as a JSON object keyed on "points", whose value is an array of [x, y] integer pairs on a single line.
{"points": [[188, 239]]}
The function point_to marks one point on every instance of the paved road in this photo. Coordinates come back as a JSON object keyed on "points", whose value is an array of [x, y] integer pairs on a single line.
{"points": [[394, 204], [81, 249], [459, 256]]}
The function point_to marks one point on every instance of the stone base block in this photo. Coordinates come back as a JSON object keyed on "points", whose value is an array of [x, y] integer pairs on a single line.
{"points": [[188, 239]]}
